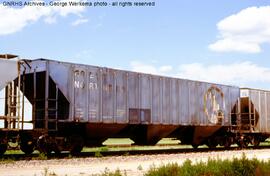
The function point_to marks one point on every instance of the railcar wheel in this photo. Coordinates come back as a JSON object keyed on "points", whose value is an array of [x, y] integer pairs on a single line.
{"points": [[211, 143], [256, 141], [43, 145], [243, 143], [76, 144], [227, 142], [3, 148], [27, 144], [195, 146], [56, 149]]}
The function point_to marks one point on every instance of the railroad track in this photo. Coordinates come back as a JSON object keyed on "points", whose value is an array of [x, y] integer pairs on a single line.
{"points": [[37, 156]]}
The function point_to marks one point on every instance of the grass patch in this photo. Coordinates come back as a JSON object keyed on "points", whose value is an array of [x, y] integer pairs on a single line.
{"points": [[213, 167], [14, 152], [235, 167], [104, 149], [107, 172], [42, 156], [118, 141], [47, 173], [7, 161], [168, 141], [98, 154]]}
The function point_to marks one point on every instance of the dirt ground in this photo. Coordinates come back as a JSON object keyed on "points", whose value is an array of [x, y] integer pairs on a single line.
{"points": [[131, 165]]}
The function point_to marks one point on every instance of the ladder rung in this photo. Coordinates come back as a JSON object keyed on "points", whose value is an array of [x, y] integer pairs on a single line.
{"points": [[4, 117], [14, 117], [50, 109], [14, 106], [9, 117], [40, 129], [52, 99], [13, 96], [40, 109], [10, 129], [39, 119], [39, 100]]}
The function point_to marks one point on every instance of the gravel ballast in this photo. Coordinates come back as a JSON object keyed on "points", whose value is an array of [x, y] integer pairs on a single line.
{"points": [[131, 165]]}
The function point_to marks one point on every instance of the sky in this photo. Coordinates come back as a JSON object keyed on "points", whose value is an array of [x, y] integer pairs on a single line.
{"points": [[225, 41]]}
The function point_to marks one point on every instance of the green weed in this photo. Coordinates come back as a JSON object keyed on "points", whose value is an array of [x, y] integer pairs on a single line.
{"points": [[42, 156], [98, 154], [214, 167]]}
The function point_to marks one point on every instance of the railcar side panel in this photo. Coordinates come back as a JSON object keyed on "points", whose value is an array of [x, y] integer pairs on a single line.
{"points": [[156, 100], [80, 92], [108, 89], [227, 105], [59, 72], [121, 97], [193, 103], [268, 110], [263, 111], [260, 99], [184, 102], [201, 88], [133, 98], [94, 87], [165, 101], [145, 98], [174, 104], [255, 98]]}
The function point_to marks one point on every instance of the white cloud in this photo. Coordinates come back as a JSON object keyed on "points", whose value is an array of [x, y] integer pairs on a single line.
{"points": [[79, 21], [144, 68], [13, 20], [50, 20], [151, 69], [239, 73], [244, 32], [165, 68], [242, 73]]}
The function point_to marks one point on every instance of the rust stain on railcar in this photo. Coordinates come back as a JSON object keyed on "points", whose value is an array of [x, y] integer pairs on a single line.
{"points": [[214, 105]]}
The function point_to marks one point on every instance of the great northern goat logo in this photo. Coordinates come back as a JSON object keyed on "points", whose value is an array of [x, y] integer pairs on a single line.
{"points": [[214, 105]]}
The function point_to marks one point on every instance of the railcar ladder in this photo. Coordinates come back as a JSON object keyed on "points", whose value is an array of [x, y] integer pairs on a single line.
{"points": [[45, 107], [236, 113], [252, 115], [13, 105], [53, 111], [13, 99]]}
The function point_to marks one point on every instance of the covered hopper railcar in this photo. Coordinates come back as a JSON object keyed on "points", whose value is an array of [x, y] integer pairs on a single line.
{"points": [[76, 105]]}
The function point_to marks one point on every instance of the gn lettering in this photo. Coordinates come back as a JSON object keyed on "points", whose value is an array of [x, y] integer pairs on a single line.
{"points": [[81, 85], [79, 82]]}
